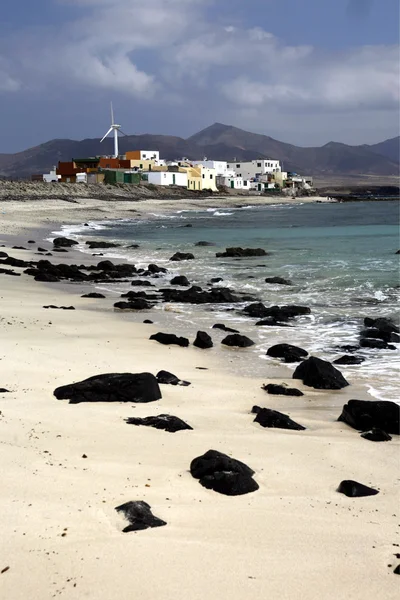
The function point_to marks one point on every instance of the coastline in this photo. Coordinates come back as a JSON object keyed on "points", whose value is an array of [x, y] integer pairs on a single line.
{"points": [[295, 534]]}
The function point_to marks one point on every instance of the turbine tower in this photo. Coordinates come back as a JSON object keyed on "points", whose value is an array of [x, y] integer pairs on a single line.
{"points": [[115, 128]]}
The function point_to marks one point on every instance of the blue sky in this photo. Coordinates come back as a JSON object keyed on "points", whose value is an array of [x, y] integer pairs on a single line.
{"points": [[305, 72]]}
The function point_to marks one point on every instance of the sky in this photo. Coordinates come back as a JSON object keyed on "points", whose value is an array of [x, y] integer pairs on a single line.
{"points": [[302, 71]]}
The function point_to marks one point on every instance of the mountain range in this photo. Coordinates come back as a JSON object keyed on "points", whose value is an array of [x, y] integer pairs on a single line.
{"points": [[218, 142]]}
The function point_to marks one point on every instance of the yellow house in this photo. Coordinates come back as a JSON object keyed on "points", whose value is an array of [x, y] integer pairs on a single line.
{"points": [[202, 178], [142, 164]]}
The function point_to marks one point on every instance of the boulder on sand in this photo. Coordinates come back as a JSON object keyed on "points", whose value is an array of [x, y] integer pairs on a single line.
{"points": [[349, 360], [93, 295], [287, 352], [224, 328], [165, 422], [92, 245], [281, 390], [139, 516], [376, 435], [169, 339], [353, 489], [223, 474], [170, 379], [63, 242], [238, 341], [203, 340], [320, 374], [137, 304], [180, 280], [112, 387], [267, 417], [241, 252], [178, 256], [366, 414]]}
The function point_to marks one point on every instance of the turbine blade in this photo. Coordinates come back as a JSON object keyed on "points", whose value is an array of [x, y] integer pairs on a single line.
{"points": [[112, 114], [123, 132], [109, 131]]}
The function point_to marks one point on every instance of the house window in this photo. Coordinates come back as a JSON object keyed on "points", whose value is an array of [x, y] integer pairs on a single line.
{"points": [[245, 183], [258, 164], [203, 176], [140, 166], [238, 166], [211, 176]]}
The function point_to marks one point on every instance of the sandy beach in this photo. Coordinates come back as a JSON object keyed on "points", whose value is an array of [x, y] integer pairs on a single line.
{"points": [[66, 467]]}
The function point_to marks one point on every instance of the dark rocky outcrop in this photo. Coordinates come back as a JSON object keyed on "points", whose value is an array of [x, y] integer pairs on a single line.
{"points": [[138, 304], [63, 242], [180, 280], [141, 283], [170, 339], [281, 390], [287, 352], [195, 295], [382, 323], [373, 333], [4, 391], [60, 250], [156, 270], [9, 272], [93, 295], [366, 414], [224, 328], [377, 344], [3, 255], [376, 435], [95, 245], [112, 387], [353, 489], [216, 279], [165, 422], [19, 248], [347, 348], [164, 377], [203, 340], [223, 474], [15, 262], [278, 280], [267, 417], [278, 313], [241, 252], [320, 374], [201, 243], [349, 360], [139, 516], [270, 322], [148, 322], [395, 337], [238, 341], [397, 569], [60, 307], [179, 256]]}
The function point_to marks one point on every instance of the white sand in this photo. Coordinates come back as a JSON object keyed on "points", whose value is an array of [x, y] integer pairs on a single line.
{"points": [[295, 537]]}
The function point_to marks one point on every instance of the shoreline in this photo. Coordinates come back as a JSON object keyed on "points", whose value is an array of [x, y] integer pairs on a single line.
{"points": [[295, 533]]}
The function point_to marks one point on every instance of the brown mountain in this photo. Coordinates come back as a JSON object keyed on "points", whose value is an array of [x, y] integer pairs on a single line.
{"points": [[218, 141]]}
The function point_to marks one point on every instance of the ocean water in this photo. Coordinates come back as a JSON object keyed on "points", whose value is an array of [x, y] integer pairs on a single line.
{"points": [[340, 257]]}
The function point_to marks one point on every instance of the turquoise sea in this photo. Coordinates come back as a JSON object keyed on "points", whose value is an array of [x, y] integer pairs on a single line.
{"points": [[341, 258]]}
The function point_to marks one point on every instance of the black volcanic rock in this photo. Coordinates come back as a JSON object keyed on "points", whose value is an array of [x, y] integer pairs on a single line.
{"points": [[224, 328], [3, 255], [138, 304], [366, 414], [179, 256], [139, 516], [156, 270], [112, 387], [377, 344], [287, 352], [164, 377], [95, 245], [278, 280], [223, 474], [281, 390], [141, 283], [278, 313], [349, 360], [166, 422], [382, 323], [63, 242], [201, 243], [203, 340], [93, 295], [170, 339], [195, 295], [4, 391], [216, 279], [374, 333], [376, 435], [241, 252], [238, 341], [320, 374], [180, 280], [272, 418], [353, 489]]}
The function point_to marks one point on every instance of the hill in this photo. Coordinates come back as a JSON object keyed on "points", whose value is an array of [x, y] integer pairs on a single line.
{"points": [[222, 142]]}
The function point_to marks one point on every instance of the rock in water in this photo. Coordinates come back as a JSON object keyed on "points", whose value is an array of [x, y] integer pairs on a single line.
{"points": [[112, 387], [349, 360], [378, 344], [178, 256], [63, 242], [376, 435], [139, 516], [287, 352], [93, 295], [224, 328], [92, 245], [180, 280], [170, 338], [281, 390], [366, 414], [166, 422], [320, 374], [223, 474], [267, 417], [241, 252], [170, 379], [203, 340], [353, 489], [238, 341], [382, 323], [278, 280]]}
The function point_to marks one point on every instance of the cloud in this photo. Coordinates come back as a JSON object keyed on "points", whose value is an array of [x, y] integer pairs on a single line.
{"points": [[8, 83]]}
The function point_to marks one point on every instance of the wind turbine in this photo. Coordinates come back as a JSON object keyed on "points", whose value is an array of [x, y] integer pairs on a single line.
{"points": [[115, 128]]}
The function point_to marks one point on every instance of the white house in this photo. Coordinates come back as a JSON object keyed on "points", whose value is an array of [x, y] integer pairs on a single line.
{"points": [[233, 182], [167, 178], [51, 177], [255, 168], [220, 166]]}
